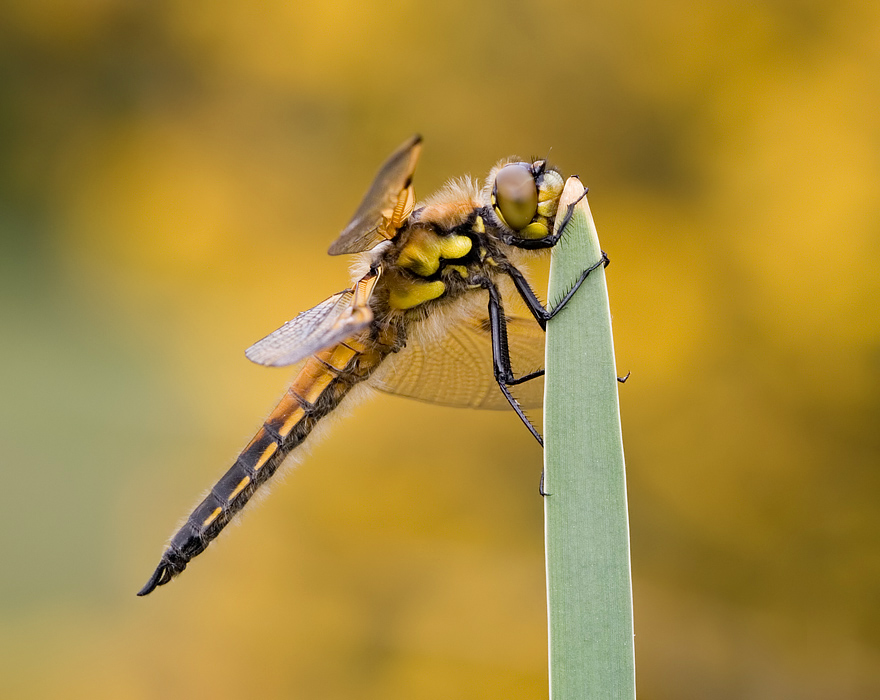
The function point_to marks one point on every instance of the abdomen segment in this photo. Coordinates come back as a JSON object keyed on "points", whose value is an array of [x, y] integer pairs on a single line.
{"points": [[318, 388]]}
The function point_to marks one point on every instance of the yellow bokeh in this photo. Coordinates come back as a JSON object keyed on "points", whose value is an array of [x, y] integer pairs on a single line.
{"points": [[171, 177]]}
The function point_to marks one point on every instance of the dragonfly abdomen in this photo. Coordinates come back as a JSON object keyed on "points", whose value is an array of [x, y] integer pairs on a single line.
{"points": [[317, 390]]}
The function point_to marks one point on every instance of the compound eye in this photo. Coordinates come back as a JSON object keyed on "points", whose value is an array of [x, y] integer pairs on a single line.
{"points": [[516, 195]]}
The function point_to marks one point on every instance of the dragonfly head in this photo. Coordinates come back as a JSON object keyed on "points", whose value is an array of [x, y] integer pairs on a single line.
{"points": [[525, 196]]}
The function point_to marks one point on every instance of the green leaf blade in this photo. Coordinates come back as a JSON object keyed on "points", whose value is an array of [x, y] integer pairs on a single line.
{"points": [[586, 524]]}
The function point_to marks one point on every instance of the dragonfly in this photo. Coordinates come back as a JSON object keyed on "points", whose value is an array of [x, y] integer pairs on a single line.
{"points": [[439, 310]]}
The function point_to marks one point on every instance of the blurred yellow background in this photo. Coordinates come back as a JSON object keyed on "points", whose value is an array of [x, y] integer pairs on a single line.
{"points": [[171, 175]]}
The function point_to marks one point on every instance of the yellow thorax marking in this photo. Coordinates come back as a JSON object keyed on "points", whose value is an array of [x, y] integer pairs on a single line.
{"points": [[460, 269], [424, 249], [408, 294]]}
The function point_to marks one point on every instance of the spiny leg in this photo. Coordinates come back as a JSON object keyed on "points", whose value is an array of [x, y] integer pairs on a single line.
{"points": [[537, 309], [501, 364]]}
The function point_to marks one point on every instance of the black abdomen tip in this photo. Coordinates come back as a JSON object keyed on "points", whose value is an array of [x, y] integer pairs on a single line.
{"points": [[168, 568]]}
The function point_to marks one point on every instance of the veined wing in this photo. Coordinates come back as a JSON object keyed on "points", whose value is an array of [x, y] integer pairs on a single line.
{"points": [[386, 205], [328, 323], [457, 368]]}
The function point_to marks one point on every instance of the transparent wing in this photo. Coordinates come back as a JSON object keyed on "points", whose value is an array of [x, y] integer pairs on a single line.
{"points": [[385, 206], [328, 323], [457, 369]]}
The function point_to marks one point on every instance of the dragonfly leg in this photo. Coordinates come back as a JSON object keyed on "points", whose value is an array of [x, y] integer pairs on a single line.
{"points": [[526, 377], [541, 313], [501, 357]]}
